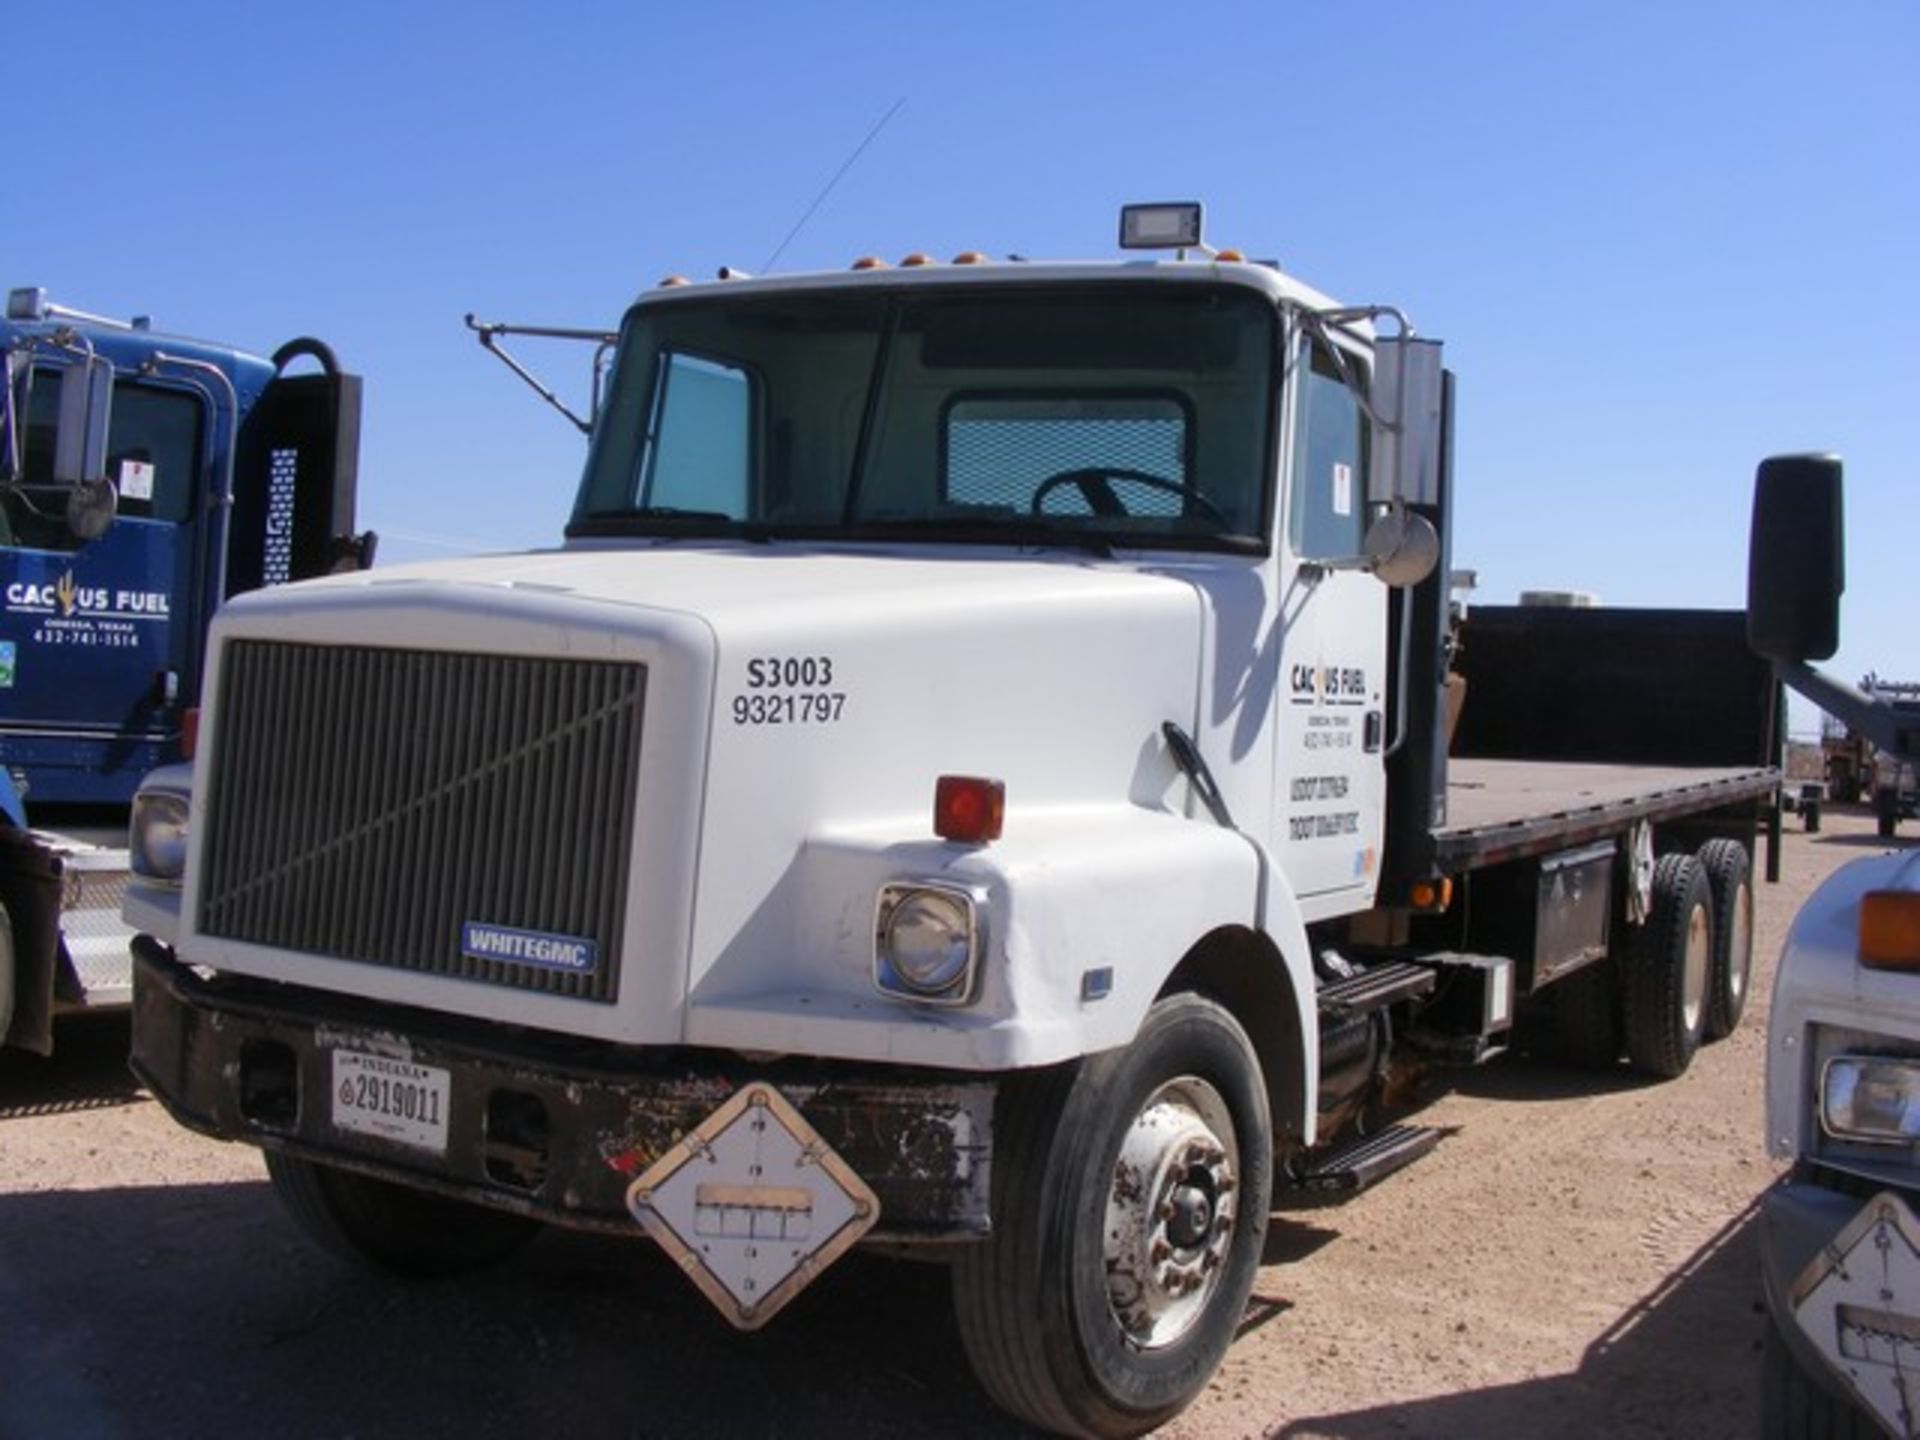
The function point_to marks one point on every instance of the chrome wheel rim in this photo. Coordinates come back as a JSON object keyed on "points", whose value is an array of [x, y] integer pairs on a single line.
{"points": [[1740, 956], [1698, 960], [1171, 1212]]}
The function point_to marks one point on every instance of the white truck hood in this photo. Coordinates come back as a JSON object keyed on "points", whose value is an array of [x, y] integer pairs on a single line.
{"points": [[794, 698]]}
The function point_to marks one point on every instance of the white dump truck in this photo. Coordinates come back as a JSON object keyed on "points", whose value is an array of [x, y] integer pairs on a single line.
{"points": [[975, 779], [1840, 1235]]}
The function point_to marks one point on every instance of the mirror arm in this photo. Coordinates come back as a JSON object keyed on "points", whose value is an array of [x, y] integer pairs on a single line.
{"points": [[1402, 664], [488, 333], [1886, 727], [1324, 322]]}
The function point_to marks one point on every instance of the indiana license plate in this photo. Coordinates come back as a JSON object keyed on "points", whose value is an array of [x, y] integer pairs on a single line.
{"points": [[395, 1100]]}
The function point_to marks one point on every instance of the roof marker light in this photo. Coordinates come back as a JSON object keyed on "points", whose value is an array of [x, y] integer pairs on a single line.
{"points": [[673, 282], [968, 809], [969, 257], [870, 262], [916, 259]]}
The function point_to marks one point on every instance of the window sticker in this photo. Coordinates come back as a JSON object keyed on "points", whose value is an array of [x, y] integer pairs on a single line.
{"points": [[136, 480], [1342, 489], [7, 656]]}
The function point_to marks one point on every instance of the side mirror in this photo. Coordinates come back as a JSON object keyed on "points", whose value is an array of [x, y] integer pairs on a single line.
{"points": [[1407, 411], [86, 414], [1796, 562]]}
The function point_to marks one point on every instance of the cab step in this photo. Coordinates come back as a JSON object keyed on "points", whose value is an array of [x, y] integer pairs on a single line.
{"points": [[1356, 1164], [1376, 987]]}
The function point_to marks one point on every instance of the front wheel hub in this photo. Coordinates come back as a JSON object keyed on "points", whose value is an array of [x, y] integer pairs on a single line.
{"points": [[1171, 1212]]}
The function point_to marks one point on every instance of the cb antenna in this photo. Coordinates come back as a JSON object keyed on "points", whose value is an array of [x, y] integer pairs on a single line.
{"points": [[820, 199]]}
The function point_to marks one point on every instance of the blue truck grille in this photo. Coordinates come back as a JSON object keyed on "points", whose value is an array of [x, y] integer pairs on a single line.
{"points": [[461, 815]]}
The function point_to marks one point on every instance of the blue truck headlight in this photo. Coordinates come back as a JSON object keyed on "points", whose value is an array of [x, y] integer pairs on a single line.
{"points": [[1873, 1099], [926, 943], [158, 835]]}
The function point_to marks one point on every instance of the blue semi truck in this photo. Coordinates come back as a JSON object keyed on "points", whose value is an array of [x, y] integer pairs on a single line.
{"points": [[144, 478]]}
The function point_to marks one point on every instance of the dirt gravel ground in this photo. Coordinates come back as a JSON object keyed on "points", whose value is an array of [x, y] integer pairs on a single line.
{"points": [[1575, 1260]]}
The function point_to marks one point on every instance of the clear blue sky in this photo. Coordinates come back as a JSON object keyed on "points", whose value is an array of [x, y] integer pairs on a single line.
{"points": [[1661, 240]]}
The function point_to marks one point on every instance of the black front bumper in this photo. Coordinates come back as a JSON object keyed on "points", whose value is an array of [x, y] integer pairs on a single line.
{"points": [[538, 1124]]}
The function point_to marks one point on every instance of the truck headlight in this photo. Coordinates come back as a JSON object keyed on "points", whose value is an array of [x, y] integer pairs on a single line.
{"points": [[1873, 1099], [158, 837], [926, 943]]}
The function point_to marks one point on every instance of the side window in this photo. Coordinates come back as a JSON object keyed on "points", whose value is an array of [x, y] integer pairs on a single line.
{"points": [[153, 450], [698, 449], [1328, 488], [153, 458]]}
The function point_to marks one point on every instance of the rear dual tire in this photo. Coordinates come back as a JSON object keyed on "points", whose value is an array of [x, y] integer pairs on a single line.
{"points": [[1670, 970]]}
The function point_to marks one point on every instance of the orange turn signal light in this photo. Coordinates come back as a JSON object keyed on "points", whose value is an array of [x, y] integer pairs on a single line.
{"points": [[968, 809], [1890, 930], [1431, 895], [189, 732]]}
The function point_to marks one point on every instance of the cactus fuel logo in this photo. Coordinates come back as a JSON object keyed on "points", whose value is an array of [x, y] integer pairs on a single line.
{"points": [[567, 953], [66, 612]]}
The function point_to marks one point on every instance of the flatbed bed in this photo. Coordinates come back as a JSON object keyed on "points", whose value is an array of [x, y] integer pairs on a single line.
{"points": [[1500, 810]]}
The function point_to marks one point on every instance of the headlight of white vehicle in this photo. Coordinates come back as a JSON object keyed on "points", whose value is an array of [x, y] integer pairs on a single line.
{"points": [[927, 943], [1872, 1099], [158, 837]]}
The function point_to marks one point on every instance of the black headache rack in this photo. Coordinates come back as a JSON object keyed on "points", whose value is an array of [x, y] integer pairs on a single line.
{"points": [[296, 477], [1577, 723]]}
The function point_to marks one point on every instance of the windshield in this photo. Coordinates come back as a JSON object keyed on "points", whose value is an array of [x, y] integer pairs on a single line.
{"points": [[1114, 414]]}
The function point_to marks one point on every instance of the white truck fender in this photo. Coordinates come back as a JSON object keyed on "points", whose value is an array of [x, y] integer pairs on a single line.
{"points": [[1067, 971]]}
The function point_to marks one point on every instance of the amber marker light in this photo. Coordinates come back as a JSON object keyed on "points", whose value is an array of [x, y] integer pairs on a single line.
{"points": [[1432, 896], [189, 732], [1231, 257], [1890, 930], [673, 282], [968, 809], [869, 262], [970, 257], [916, 260]]}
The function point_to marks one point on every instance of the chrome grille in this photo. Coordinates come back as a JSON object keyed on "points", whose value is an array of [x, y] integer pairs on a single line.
{"points": [[367, 804]]}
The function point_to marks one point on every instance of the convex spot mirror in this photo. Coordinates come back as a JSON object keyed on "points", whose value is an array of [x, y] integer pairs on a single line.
{"points": [[91, 507], [1401, 547]]}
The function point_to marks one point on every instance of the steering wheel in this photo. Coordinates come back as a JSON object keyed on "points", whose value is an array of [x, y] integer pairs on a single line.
{"points": [[1091, 481]]}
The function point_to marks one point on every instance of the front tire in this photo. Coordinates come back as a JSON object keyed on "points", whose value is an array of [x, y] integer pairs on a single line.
{"points": [[393, 1227], [1669, 970], [1131, 1194]]}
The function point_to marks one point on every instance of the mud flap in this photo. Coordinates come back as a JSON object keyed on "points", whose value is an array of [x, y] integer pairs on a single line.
{"points": [[30, 889]]}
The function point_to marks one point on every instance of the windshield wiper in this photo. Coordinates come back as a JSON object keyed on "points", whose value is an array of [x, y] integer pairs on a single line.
{"points": [[673, 512]]}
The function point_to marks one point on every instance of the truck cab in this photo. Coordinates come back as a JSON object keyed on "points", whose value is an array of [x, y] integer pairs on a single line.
{"points": [[144, 478]]}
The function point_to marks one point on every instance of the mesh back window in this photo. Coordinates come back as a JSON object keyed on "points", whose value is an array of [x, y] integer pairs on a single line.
{"points": [[999, 452]]}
